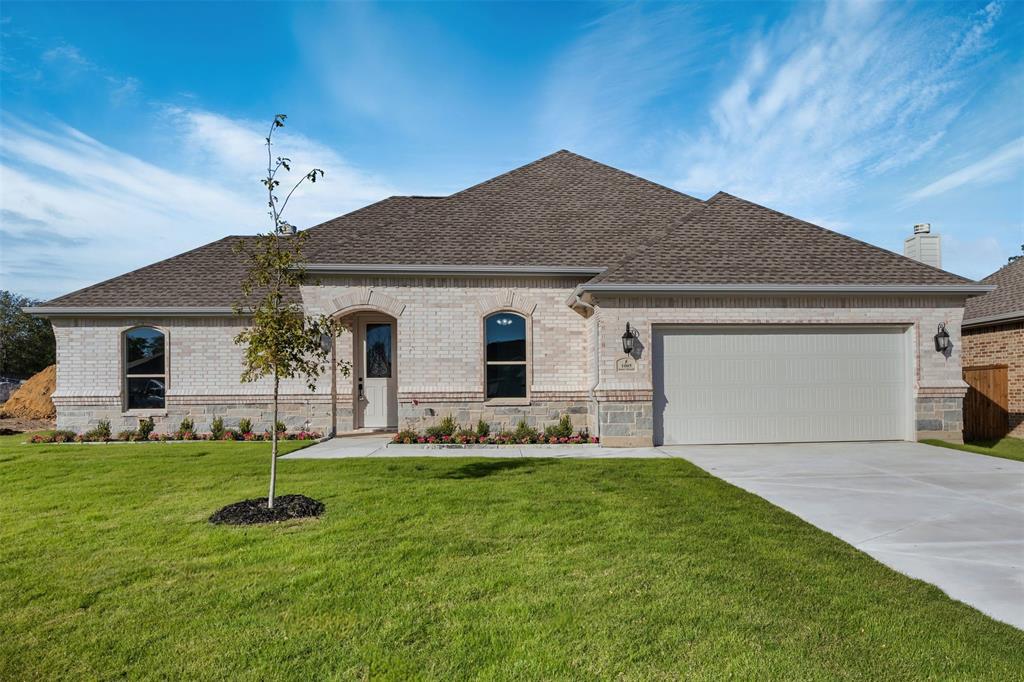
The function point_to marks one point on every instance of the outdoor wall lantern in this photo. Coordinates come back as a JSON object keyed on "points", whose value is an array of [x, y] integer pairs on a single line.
{"points": [[942, 338], [629, 340], [326, 341]]}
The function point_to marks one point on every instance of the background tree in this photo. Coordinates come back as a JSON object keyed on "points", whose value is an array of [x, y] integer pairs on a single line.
{"points": [[281, 341], [1017, 257], [26, 343]]}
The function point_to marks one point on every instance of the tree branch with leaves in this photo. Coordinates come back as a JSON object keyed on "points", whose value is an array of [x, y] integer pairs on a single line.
{"points": [[281, 340]]}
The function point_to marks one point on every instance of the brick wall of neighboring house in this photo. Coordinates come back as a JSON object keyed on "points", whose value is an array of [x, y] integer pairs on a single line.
{"points": [[1001, 345], [938, 386]]}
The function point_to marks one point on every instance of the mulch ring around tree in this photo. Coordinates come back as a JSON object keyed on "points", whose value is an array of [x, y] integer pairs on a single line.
{"points": [[251, 512]]}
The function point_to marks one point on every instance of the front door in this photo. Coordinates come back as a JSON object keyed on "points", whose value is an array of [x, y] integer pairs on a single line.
{"points": [[376, 384]]}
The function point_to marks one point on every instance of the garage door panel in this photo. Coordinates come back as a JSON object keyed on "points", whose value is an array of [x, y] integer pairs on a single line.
{"points": [[755, 385]]}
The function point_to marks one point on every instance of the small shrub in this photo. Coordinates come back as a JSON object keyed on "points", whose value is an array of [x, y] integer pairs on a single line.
{"points": [[563, 429], [446, 427], [63, 436], [281, 428], [483, 429], [127, 434], [217, 428], [245, 425], [525, 433], [407, 436], [100, 432], [465, 436], [186, 426], [145, 428]]}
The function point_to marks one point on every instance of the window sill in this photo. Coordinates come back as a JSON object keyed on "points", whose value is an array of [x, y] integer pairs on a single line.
{"points": [[507, 402], [144, 413]]}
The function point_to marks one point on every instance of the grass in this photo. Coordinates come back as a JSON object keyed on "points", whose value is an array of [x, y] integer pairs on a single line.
{"points": [[447, 569], [1007, 448]]}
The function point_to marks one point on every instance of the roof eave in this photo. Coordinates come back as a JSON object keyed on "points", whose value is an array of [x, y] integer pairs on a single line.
{"points": [[109, 311], [470, 270], [1012, 316], [967, 289]]}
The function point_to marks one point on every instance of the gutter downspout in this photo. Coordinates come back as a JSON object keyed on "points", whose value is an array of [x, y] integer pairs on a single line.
{"points": [[595, 361]]}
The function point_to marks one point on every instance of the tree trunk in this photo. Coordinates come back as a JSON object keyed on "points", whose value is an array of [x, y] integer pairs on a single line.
{"points": [[273, 445]]}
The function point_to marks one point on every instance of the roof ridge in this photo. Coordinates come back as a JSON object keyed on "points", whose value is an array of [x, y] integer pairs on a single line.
{"points": [[579, 157], [633, 176], [640, 248], [1003, 268], [846, 237], [508, 173]]}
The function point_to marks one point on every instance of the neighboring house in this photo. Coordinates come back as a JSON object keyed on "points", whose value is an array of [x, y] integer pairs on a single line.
{"points": [[510, 299], [993, 331]]}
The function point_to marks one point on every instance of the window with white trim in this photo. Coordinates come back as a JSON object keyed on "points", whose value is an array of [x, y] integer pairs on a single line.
{"points": [[505, 355], [145, 368]]}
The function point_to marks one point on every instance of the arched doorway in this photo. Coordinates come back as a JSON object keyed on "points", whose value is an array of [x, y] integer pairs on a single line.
{"points": [[374, 377]]}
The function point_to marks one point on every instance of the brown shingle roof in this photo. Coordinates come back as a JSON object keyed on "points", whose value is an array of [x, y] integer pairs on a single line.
{"points": [[209, 276], [563, 210], [1006, 302], [734, 241]]}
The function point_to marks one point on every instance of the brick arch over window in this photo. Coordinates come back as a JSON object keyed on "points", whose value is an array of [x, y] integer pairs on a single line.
{"points": [[366, 299], [510, 300]]}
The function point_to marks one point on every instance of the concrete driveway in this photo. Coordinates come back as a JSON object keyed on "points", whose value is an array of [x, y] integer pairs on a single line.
{"points": [[951, 518]]}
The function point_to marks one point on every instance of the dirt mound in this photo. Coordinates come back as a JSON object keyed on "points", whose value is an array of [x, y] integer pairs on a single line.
{"points": [[255, 511], [32, 400]]}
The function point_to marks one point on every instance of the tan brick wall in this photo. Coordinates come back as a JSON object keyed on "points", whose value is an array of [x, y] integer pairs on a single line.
{"points": [[440, 330], [440, 348], [934, 374], [1002, 345]]}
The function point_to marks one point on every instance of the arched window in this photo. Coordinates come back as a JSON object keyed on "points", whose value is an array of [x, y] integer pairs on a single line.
{"points": [[505, 355], [145, 368]]}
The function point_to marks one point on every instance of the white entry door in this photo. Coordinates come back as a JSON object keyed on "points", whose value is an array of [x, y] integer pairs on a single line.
{"points": [[761, 384], [376, 381]]}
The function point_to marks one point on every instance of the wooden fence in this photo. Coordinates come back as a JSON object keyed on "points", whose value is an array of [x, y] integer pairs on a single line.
{"points": [[986, 406]]}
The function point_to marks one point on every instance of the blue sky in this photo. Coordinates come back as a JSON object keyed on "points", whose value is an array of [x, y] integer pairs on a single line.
{"points": [[132, 131]]}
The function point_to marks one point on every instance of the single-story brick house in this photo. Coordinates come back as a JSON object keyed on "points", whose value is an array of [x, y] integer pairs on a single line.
{"points": [[993, 334], [511, 299]]}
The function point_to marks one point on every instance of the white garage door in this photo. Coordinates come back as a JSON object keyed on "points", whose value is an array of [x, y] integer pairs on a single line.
{"points": [[746, 384]]}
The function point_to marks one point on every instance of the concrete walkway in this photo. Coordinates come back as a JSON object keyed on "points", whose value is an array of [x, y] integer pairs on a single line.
{"points": [[951, 518]]}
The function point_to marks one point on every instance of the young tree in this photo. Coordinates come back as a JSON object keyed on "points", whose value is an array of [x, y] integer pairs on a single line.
{"points": [[281, 341]]}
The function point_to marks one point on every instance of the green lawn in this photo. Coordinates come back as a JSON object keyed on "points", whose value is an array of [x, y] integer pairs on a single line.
{"points": [[446, 569], [1007, 448]]}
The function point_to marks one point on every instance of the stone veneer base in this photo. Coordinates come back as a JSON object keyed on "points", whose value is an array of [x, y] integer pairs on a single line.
{"points": [[315, 414], [538, 414], [628, 423]]}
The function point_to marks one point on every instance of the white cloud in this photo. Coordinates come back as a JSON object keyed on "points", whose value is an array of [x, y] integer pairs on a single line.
{"points": [[838, 92], [623, 61], [999, 165], [76, 211], [974, 258], [68, 54]]}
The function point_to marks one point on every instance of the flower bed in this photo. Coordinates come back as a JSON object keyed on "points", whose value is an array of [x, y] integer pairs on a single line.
{"points": [[498, 439], [72, 437], [449, 433]]}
